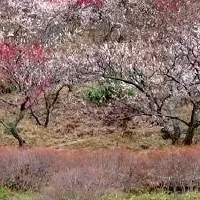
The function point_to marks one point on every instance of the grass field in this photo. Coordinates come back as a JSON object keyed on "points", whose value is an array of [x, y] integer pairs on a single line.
{"points": [[6, 194], [147, 196]]}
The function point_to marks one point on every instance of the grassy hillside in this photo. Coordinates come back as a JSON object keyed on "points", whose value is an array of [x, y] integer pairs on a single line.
{"points": [[77, 124]]}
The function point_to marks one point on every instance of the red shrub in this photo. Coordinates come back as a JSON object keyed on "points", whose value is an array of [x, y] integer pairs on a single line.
{"points": [[84, 171]]}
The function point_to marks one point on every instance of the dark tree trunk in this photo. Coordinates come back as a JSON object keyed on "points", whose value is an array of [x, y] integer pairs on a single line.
{"points": [[194, 123], [189, 136], [47, 118], [15, 133], [177, 132]]}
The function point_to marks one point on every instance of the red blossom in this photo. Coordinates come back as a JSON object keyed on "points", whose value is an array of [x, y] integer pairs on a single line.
{"points": [[97, 3], [166, 4], [24, 65], [6, 51]]}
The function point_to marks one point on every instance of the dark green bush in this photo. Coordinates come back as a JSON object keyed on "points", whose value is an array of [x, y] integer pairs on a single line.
{"points": [[9, 124], [7, 87], [100, 93]]}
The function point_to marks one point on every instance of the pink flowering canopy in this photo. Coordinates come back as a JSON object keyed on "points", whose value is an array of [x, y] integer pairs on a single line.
{"points": [[26, 67], [166, 4], [97, 3]]}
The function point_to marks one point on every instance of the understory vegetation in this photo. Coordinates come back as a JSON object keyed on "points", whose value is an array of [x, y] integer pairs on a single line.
{"points": [[100, 93], [59, 174], [7, 194]]}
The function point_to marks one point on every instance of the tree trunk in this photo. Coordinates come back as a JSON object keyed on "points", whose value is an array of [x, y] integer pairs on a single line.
{"points": [[177, 132], [15, 133], [13, 130], [194, 123], [189, 136], [47, 118]]}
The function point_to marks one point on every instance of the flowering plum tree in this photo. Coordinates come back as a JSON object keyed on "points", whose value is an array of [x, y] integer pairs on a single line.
{"points": [[33, 72], [142, 53], [163, 78]]}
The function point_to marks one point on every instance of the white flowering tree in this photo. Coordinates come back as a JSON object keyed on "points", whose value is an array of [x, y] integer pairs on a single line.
{"points": [[163, 79], [145, 52]]}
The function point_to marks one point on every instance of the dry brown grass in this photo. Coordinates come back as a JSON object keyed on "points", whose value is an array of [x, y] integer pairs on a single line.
{"points": [[81, 135], [73, 125]]}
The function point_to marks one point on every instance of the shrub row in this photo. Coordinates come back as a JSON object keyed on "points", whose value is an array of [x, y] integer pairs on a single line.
{"points": [[59, 172]]}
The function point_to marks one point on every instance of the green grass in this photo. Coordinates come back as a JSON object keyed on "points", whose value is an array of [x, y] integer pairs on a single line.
{"points": [[156, 196], [164, 196], [144, 196], [7, 194]]}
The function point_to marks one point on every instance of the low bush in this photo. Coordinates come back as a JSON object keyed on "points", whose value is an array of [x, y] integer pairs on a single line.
{"points": [[58, 173], [98, 93], [7, 88], [24, 169], [102, 92], [7, 194]]}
